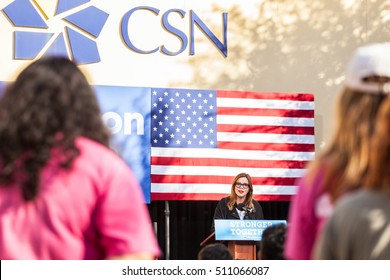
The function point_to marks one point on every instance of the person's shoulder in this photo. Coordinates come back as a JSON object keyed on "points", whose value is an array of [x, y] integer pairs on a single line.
{"points": [[98, 161], [224, 199], [350, 207], [255, 202], [93, 148], [309, 187], [97, 154], [349, 213], [356, 199], [88, 144]]}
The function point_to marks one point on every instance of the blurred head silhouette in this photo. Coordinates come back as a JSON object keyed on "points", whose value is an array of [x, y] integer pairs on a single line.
{"points": [[272, 243], [49, 105], [215, 251]]}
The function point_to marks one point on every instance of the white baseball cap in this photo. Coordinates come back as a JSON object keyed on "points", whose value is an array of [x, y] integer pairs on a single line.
{"points": [[371, 60]]}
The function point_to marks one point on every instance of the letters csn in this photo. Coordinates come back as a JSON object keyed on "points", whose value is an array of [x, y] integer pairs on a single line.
{"points": [[194, 19]]}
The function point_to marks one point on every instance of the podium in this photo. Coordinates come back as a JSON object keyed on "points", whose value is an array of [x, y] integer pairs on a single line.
{"points": [[241, 236]]}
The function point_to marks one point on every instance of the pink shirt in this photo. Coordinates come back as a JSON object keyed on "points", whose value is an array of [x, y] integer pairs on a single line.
{"points": [[93, 211], [308, 212]]}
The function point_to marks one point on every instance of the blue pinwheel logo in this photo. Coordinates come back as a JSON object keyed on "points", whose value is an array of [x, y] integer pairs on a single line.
{"points": [[63, 27]]}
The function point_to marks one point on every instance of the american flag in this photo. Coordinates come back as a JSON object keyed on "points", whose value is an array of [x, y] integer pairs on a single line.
{"points": [[201, 139]]}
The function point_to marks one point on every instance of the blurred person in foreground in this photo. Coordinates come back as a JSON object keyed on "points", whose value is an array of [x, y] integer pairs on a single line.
{"points": [[215, 251], [63, 193], [272, 243], [341, 167], [239, 205], [359, 228]]}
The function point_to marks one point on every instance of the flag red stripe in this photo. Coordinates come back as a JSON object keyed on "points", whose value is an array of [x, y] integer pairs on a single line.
{"points": [[214, 196], [302, 130], [266, 146], [265, 95], [214, 179], [288, 113], [228, 162]]}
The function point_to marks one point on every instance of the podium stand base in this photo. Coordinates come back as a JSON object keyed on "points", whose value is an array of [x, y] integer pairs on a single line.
{"points": [[242, 250]]}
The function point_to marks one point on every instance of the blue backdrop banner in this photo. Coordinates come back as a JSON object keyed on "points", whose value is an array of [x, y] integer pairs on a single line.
{"points": [[126, 111]]}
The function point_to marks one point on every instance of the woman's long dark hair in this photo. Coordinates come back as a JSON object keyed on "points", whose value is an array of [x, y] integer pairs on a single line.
{"points": [[48, 106]]}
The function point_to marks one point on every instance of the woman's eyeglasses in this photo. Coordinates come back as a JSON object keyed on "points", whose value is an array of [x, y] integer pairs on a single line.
{"points": [[242, 185]]}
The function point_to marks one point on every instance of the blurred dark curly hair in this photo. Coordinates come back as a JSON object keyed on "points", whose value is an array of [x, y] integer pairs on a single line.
{"points": [[48, 106], [272, 242]]}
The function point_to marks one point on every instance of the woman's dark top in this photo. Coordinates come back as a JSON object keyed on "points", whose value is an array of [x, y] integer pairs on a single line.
{"points": [[222, 212]]}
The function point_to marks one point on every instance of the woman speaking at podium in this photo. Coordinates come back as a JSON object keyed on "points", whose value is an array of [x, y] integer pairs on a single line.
{"points": [[240, 203]]}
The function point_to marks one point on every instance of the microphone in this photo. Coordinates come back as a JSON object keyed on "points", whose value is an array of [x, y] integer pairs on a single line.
{"points": [[249, 210], [241, 206]]}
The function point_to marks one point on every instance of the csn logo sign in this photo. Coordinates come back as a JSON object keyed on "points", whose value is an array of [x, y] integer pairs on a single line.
{"points": [[76, 33], [185, 40], [42, 30]]}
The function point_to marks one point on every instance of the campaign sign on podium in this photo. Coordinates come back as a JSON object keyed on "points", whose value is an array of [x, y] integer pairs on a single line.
{"points": [[242, 229]]}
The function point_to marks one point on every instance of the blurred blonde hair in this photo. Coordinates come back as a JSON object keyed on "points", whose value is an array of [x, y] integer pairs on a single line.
{"points": [[344, 162], [378, 175]]}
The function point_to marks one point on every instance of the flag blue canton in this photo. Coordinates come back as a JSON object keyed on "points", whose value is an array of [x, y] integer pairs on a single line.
{"points": [[184, 118]]}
